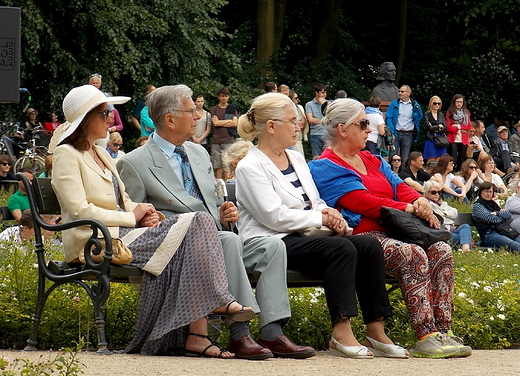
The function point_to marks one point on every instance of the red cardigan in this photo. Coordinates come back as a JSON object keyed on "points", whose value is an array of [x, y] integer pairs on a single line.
{"points": [[379, 192], [452, 131]]}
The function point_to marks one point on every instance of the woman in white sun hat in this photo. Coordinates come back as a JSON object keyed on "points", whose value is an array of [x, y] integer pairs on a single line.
{"points": [[190, 283]]}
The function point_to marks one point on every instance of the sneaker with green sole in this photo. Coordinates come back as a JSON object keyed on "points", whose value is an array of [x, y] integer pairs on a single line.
{"points": [[435, 346], [453, 340]]}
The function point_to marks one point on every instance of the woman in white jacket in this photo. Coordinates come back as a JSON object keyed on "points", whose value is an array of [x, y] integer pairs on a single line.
{"points": [[277, 197]]}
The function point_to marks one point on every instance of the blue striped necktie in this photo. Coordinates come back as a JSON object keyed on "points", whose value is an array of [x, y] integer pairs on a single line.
{"points": [[187, 175]]}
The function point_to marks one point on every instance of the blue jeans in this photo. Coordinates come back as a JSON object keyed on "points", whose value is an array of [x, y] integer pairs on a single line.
{"points": [[461, 235], [494, 239], [403, 144], [317, 144], [372, 148]]}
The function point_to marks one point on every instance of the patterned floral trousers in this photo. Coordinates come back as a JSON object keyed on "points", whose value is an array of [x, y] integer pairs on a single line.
{"points": [[425, 278]]}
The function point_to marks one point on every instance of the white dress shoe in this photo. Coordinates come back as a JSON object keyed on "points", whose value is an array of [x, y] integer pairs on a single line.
{"points": [[386, 350], [354, 352]]}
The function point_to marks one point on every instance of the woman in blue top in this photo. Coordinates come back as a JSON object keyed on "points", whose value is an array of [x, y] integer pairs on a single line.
{"points": [[487, 215]]}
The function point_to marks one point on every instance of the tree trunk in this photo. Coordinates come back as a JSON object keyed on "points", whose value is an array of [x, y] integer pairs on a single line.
{"points": [[401, 38], [324, 35], [270, 27], [265, 32]]}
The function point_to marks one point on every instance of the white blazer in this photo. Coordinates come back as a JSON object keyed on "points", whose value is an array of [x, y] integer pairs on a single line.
{"points": [[85, 191], [269, 204]]}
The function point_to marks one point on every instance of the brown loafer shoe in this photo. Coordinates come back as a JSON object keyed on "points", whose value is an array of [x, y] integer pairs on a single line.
{"points": [[247, 348], [283, 347]]}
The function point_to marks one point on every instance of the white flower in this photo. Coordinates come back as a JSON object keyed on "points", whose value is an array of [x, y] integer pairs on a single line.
{"points": [[488, 288], [470, 301], [515, 264], [492, 318], [501, 316], [462, 295], [475, 284]]}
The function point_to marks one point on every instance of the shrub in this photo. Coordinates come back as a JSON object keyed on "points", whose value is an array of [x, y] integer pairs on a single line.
{"points": [[487, 313]]}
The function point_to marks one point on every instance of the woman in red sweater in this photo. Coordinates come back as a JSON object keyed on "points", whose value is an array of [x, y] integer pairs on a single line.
{"points": [[358, 184], [458, 123]]}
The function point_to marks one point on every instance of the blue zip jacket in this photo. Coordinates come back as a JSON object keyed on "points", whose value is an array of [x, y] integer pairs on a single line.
{"points": [[392, 113]]}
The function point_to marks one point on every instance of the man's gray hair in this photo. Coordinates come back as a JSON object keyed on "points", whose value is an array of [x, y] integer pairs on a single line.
{"points": [[167, 100]]}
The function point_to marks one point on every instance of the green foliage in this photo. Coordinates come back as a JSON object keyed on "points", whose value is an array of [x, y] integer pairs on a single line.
{"points": [[65, 364], [68, 313], [472, 79], [487, 309]]}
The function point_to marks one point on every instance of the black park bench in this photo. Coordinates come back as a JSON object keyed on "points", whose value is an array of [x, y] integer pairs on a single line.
{"points": [[43, 200]]}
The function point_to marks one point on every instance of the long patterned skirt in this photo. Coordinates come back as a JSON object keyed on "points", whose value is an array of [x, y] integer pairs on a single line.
{"points": [[192, 284]]}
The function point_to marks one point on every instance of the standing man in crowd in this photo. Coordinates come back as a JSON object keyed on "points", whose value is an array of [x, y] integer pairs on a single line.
{"points": [[270, 87], [314, 115], [404, 116], [176, 177], [224, 117]]}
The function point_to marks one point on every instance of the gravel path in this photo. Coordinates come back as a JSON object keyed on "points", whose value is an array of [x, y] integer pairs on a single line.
{"points": [[483, 362]]}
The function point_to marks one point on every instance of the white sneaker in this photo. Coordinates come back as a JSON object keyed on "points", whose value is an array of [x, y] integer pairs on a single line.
{"points": [[453, 340], [435, 346]]}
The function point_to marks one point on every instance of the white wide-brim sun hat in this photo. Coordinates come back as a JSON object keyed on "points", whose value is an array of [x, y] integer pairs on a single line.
{"points": [[77, 103]]}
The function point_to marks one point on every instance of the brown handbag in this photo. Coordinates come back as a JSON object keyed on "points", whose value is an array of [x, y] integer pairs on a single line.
{"points": [[121, 254]]}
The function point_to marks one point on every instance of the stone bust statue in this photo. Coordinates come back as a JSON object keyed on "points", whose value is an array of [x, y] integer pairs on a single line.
{"points": [[386, 90]]}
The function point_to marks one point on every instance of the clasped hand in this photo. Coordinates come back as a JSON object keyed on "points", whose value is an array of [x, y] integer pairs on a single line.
{"points": [[146, 215], [422, 209], [334, 220]]}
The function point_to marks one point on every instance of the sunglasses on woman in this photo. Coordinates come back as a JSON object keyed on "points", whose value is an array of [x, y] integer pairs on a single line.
{"points": [[363, 123], [396, 160], [105, 113], [435, 192]]}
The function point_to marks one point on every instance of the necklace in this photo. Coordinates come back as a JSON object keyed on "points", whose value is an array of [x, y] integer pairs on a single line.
{"points": [[96, 158]]}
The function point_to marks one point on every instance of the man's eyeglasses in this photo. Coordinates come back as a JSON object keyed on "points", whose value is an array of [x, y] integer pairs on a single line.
{"points": [[7, 164], [363, 123], [403, 91], [105, 113], [435, 192], [192, 111], [117, 145]]}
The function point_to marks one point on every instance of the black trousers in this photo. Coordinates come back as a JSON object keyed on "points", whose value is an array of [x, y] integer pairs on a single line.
{"points": [[347, 265], [458, 151]]}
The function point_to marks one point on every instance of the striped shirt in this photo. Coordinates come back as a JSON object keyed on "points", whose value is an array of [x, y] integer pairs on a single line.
{"points": [[291, 175]]}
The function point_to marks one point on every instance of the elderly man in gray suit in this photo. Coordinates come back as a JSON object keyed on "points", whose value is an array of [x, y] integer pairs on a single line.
{"points": [[176, 176]]}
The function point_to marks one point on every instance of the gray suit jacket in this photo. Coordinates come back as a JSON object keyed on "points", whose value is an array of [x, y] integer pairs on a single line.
{"points": [[148, 177]]}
